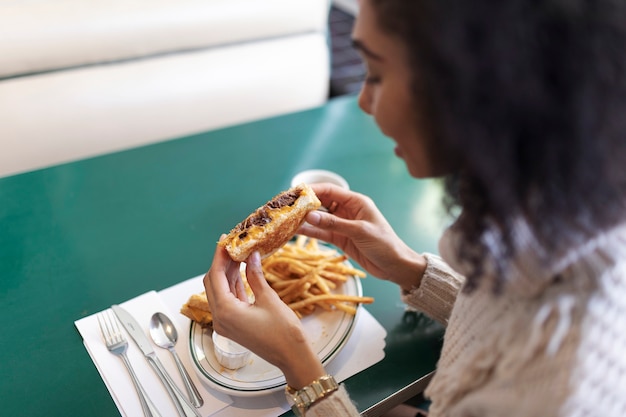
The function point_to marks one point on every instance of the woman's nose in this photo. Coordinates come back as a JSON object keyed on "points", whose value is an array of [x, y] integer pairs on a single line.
{"points": [[365, 99]]}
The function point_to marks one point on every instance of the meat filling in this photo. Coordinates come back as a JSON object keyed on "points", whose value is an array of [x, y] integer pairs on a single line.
{"points": [[261, 217], [284, 199]]}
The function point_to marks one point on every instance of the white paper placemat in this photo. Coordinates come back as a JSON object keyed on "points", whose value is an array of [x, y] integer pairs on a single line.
{"points": [[364, 349]]}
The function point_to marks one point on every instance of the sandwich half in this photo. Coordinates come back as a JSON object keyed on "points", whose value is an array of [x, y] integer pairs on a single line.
{"points": [[272, 225]]}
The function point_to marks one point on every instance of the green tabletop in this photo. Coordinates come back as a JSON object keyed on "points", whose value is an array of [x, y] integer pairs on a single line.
{"points": [[78, 237]]}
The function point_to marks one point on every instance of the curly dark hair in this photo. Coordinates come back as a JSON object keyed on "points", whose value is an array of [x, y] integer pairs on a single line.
{"points": [[528, 99]]}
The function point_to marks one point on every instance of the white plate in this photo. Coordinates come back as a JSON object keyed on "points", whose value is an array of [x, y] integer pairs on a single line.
{"points": [[328, 331]]}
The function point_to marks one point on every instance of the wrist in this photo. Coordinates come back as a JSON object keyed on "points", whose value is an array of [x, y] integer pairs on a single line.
{"points": [[300, 400], [299, 363], [415, 267], [304, 371]]}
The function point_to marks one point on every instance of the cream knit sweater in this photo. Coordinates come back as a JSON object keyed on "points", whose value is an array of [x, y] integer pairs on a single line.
{"points": [[553, 343]]}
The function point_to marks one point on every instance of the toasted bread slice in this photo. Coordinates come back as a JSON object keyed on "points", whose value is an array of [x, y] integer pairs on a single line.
{"points": [[272, 225], [197, 309]]}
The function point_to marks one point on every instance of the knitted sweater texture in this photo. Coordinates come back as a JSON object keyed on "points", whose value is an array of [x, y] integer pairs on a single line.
{"points": [[552, 343]]}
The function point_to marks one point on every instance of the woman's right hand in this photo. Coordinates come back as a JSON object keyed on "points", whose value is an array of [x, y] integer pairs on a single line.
{"points": [[360, 230], [268, 327]]}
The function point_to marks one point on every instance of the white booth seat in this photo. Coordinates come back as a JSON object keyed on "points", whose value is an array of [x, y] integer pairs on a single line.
{"points": [[107, 99], [50, 34]]}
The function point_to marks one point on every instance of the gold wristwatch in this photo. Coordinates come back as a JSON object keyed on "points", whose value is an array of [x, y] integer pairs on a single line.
{"points": [[302, 399]]}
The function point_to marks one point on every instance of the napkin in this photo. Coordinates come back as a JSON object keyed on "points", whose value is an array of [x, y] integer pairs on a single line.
{"points": [[364, 348], [115, 375]]}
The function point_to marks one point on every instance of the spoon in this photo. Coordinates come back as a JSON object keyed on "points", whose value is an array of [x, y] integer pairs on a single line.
{"points": [[164, 335]]}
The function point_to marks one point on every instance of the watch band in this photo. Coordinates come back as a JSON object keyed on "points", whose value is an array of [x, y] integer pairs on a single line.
{"points": [[300, 400]]}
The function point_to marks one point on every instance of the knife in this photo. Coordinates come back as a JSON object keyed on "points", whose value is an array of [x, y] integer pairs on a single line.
{"points": [[185, 409]]}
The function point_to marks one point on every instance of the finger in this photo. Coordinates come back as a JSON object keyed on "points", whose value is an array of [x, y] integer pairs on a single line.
{"points": [[256, 278], [240, 289], [233, 275], [329, 193], [232, 271], [330, 222], [316, 233], [235, 282], [216, 281]]}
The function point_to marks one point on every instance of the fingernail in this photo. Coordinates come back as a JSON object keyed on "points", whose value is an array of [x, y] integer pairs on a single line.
{"points": [[314, 218]]}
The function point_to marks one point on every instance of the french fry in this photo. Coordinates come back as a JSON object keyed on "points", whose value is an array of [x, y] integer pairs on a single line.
{"points": [[331, 297], [304, 276]]}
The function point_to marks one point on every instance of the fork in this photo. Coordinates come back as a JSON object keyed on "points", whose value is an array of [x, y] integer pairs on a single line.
{"points": [[117, 344]]}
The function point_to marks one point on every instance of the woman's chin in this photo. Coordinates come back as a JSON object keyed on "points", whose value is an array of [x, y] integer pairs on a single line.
{"points": [[417, 171]]}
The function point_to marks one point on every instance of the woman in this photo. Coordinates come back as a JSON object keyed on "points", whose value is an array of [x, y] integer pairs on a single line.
{"points": [[519, 104]]}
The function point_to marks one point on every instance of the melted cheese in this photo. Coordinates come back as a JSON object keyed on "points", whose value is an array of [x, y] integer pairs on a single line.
{"points": [[253, 232]]}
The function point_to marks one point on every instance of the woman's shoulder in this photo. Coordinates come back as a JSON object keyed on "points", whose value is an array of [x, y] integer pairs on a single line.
{"points": [[534, 268]]}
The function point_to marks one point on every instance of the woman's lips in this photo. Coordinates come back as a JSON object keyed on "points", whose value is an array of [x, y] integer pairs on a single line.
{"points": [[397, 151]]}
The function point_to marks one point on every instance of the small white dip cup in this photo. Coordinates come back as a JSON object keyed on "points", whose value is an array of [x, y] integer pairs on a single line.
{"points": [[313, 176], [229, 354]]}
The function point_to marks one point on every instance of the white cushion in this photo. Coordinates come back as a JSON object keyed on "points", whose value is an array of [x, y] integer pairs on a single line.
{"points": [[43, 35], [62, 116]]}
